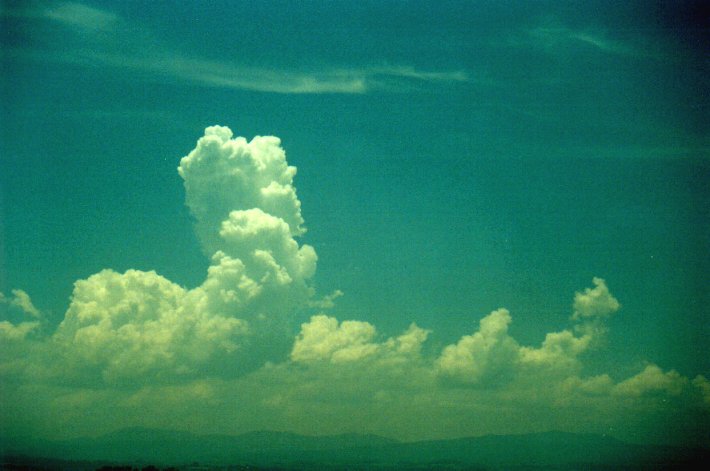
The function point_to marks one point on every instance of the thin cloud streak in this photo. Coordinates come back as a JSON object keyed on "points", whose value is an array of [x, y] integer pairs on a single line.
{"points": [[350, 81], [77, 14], [169, 64], [555, 38]]}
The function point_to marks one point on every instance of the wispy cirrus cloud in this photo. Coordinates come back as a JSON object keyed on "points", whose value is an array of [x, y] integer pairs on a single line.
{"points": [[326, 80], [100, 38], [555, 37], [560, 36], [80, 15]]}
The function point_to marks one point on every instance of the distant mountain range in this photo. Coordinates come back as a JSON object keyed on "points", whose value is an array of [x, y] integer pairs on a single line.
{"points": [[140, 447]]}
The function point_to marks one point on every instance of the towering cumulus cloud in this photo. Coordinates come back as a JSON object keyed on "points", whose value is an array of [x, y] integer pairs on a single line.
{"points": [[141, 325], [135, 348], [223, 175]]}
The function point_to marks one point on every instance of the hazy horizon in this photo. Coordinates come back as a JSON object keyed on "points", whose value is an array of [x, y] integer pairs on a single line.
{"points": [[410, 219]]}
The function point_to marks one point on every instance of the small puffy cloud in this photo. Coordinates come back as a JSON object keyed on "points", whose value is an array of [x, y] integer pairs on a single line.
{"points": [[409, 343], [324, 339], [487, 354], [652, 380], [703, 385], [326, 302], [10, 331], [14, 313], [557, 354], [21, 302], [595, 302], [491, 356]]}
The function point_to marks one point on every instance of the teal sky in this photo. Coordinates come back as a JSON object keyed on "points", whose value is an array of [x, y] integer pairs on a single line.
{"points": [[453, 158]]}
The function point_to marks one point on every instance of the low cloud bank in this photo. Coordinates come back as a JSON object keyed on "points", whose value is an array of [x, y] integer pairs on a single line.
{"points": [[135, 348]]}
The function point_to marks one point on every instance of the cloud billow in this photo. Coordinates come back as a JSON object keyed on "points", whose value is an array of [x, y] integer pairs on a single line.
{"points": [[139, 326], [225, 349], [223, 174]]}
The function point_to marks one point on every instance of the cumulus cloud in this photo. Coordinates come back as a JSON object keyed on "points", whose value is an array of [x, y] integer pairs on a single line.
{"points": [[139, 326], [328, 301], [223, 174], [703, 386], [558, 353], [323, 338], [20, 316], [21, 302], [487, 353], [247, 215], [225, 351], [491, 356], [652, 380], [483, 383], [594, 302]]}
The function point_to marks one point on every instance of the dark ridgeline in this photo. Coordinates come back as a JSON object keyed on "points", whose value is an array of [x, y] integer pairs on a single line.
{"points": [[139, 448]]}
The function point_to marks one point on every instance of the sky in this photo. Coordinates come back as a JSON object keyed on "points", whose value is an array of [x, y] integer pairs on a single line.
{"points": [[414, 219]]}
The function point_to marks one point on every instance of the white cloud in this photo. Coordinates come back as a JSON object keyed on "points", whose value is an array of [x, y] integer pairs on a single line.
{"points": [[409, 344], [327, 301], [600, 385], [247, 215], [354, 80], [19, 331], [703, 386], [228, 75], [652, 380], [594, 302], [267, 240], [137, 341], [323, 338], [487, 355], [83, 16], [19, 308], [413, 73], [138, 326], [21, 302], [554, 37], [340, 370], [558, 354], [107, 40], [325, 80], [223, 175], [491, 356]]}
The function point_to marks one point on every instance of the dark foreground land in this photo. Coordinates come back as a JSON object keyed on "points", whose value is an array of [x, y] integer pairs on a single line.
{"points": [[152, 450]]}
